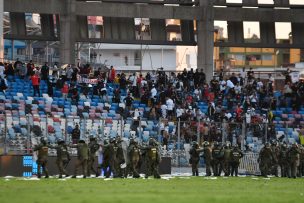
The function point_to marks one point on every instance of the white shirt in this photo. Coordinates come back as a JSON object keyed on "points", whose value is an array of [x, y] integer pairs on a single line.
{"points": [[153, 92], [230, 84], [179, 112], [164, 110], [1, 71], [170, 104]]}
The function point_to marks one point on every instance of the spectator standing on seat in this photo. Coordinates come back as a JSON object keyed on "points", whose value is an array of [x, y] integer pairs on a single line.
{"points": [[65, 90], [3, 84], [128, 101], [45, 71], [170, 107], [76, 134], [2, 69], [30, 68], [36, 83]]}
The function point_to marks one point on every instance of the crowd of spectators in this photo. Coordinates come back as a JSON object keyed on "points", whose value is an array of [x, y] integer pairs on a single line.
{"points": [[232, 97]]}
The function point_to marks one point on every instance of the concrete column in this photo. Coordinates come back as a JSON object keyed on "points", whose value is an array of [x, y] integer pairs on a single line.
{"points": [[1, 31], [205, 44], [67, 33]]}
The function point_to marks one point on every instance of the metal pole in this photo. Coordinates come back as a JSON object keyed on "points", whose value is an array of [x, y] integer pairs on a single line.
{"points": [[65, 130], [266, 132], [178, 141], [243, 134], [198, 130], [140, 131], [5, 134], [1, 31], [46, 124], [28, 134], [121, 126]]}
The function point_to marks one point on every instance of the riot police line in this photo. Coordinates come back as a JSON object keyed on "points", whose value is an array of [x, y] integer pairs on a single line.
{"points": [[277, 159], [113, 164]]}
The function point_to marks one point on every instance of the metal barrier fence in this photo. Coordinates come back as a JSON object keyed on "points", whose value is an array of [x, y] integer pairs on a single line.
{"points": [[20, 133], [249, 164]]}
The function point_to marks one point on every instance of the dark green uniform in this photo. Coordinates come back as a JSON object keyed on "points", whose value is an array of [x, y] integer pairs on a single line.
{"points": [[236, 155], [106, 162], [82, 158], [113, 157], [276, 151], [226, 160], [93, 147], [152, 159], [120, 159], [301, 167], [294, 160], [265, 160], [194, 159], [63, 158], [208, 158], [134, 158], [43, 150], [217, 156], [283, 160]]}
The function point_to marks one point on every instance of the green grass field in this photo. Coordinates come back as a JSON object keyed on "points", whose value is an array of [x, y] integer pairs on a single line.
{"points": [[196, 189]]}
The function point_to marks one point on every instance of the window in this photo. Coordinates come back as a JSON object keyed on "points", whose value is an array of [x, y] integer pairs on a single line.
{"points": [[265, 1], [20, 51], [220, 31], [142, 28], [299, 2], [283, 32], [266, 57], [137, 58], [234, 1], [251, 31]]}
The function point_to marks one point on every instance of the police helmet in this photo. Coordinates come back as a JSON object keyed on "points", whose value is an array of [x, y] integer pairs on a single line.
{"points": [[112, 140], [267, 144], [92, 138], [43, 140], [284, 145], [295, 144], [151, 141], [60, 141], [216, 144], [194, 143], [81, 141], [235, 146], [206, 143], [105, 142]]}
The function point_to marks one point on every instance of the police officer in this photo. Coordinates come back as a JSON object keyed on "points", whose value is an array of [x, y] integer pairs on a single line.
{"points": [[226, 159], [76, 134], [43, 150], [236, 155], [294, 159], [265, 160], [152, 159], [93, 147], [120, 159], [208, 157], [82, 158], [63, 157], [134, 157], [195, 157], [301, 167], [283, 160], [113, 156], [107, 156], [217, 156], [276, 151]]}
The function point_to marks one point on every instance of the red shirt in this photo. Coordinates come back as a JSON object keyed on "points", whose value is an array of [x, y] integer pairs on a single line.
{"points": [[35, 80], [65, 89]]}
